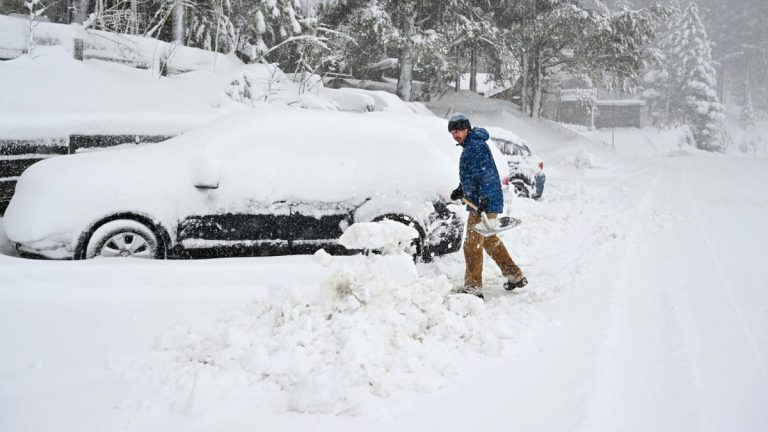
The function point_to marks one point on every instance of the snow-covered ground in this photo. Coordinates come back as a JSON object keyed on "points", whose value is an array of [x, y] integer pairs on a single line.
{"points": [[646, 310]]}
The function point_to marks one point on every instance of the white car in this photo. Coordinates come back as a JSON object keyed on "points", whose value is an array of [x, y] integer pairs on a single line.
{"points": [[264, 181], [526, 169]]}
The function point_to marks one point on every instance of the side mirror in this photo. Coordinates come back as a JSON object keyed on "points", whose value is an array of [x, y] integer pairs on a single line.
{"points": [[206, 170]]}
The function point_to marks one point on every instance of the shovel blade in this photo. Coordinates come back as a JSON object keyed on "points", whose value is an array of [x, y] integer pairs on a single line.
{"points": [[491, 227]]}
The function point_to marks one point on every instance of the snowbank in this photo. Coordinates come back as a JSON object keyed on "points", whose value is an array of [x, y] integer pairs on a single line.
{"points": [[137, 51], [486, 86], [95, 97], [371, 333], [385, 101]]}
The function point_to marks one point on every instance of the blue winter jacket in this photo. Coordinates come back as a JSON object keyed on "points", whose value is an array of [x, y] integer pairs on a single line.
{"points": [[477, 171]]}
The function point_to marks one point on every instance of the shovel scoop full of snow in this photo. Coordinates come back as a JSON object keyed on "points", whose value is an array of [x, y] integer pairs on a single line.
{"points": [[491, 227]]}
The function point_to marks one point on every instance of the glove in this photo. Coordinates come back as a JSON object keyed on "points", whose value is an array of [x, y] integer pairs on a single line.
{"points": [[482, 205], [457, 194]]}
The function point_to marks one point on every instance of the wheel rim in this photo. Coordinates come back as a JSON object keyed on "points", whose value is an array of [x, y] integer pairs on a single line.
{"points": [[521, 190], [126, 244]]}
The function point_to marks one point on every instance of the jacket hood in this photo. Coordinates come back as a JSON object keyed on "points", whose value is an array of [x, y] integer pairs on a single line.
{"points": [[477, 134]]}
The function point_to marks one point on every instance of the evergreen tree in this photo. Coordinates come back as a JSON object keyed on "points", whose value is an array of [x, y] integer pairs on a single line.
{"points": [[693, 81], [657, 86], [209, 26], [739, 43], [250, 28], [365, 35]]}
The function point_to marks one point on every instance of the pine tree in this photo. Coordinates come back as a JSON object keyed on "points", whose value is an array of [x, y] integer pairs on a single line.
{"points": [[365, 35], [740, 39], [694, 81], [250, 28], [265, 24], [740, 44], [657, 88]]}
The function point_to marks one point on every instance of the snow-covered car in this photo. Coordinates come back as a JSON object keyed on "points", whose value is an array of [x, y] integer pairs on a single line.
{"points": [[526, 169], [262, 182]]}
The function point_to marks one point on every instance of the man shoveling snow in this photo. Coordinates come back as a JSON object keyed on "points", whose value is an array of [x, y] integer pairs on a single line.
{"points": [[480, 184]]}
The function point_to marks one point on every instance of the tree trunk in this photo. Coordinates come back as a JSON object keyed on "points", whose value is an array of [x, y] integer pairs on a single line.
{"points": [[178, 24], [524, 106], [134, 19], [473, 69], [458, 82], [668, 99], [62, 12], [82, 11], [405, 80], [538, 86], [747, 89], [98, 10]]}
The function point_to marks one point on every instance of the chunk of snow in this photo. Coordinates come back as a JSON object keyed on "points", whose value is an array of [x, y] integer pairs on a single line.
{"points": [[387, 235]]}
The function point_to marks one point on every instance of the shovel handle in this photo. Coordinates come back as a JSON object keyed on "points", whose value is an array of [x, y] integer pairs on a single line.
{"points": [[470, 204], [483, 217]]}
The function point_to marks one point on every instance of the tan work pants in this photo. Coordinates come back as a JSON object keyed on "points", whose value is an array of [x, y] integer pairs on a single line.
{"points": [[474, 244]]}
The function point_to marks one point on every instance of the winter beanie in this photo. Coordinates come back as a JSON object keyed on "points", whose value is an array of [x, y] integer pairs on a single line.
{"points": [[458, 122]]}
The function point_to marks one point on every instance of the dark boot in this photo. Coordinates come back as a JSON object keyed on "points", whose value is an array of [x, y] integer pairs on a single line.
{"points": [[515, 283]]}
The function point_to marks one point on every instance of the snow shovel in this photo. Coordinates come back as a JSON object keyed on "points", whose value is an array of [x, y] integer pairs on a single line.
{"points": [[491, 227]]}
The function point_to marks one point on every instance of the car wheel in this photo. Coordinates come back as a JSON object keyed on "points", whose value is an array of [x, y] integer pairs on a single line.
{"points": [[123, 238], [416, 248], [521, 188]]}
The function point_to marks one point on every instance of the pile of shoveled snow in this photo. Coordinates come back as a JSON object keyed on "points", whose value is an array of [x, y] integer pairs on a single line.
{"points": [[374, 329], [387, 236]]}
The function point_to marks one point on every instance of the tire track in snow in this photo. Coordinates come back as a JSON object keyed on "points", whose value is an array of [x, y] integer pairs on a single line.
{"points": [[721, 274], [643, 380], [731, 382]]}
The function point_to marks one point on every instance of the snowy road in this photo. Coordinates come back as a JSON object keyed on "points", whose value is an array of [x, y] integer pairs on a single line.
{"points": [[647, 310], [686, 340]]}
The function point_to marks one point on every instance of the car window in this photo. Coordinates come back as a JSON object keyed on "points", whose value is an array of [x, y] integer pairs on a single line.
{"points": [[522, 150], [510, 148], [506, 147]]}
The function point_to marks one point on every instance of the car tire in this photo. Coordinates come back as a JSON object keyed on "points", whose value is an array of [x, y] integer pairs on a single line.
{"points": [[417, 244], [124, 238], [521, 188]]}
